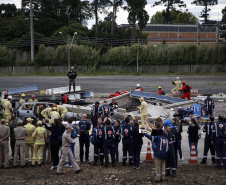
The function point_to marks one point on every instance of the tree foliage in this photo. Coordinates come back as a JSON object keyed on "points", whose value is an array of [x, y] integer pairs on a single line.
{"points": [[224, 15], [206, 10]]}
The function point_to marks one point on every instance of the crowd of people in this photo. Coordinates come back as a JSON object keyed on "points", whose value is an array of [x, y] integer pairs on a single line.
{"points": [[47, 138]]}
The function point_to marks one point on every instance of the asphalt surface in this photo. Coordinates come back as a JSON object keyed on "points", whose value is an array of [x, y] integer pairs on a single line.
{"points": [[110, 84]]}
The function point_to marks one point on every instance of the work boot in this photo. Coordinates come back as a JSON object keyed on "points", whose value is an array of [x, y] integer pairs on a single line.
{"points": [[203, 161], [106, 164], [167, 173], [95, 161], [113, 163], [123, 163], [174, 173], [102, 160]]}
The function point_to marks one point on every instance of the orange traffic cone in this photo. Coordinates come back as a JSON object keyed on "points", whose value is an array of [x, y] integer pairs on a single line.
{"points": [[193, 156], [148, 155]]}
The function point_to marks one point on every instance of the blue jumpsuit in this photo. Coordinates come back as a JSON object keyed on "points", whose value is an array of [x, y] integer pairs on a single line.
{"points": [[94, 115], [209, 106], [99, 145], [196, 109], [109, 144], [105, 111], [219, 136], [117, 140], [127, 142]]}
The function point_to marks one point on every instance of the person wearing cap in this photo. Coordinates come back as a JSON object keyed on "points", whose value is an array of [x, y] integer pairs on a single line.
{"points": [[20, 134], [186, 89], [94, 114], [62, 111], [54, 114], [143, 111], [64, 98], [72, 76], [46, 112], [196, 108], [12, 126], [33, 99], [4, 143], [29, 140], [171, 157], [22, 99], [66, 152], [161, 92], [177, 84], [138, 88], [114, 105], [8, 109], [39, 136], [46, 149], [105, 111]]}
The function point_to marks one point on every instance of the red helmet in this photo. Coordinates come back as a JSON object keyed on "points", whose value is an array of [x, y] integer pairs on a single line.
{"points": [[183, 82], [6, 93], [41, 107], [33, 96], [54, 105]]}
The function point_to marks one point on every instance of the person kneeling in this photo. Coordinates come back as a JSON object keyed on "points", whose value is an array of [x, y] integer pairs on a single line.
{"points": [[66, 152]]}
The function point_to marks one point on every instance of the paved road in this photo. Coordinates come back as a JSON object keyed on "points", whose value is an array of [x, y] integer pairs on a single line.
{"points": [[108, 84]]}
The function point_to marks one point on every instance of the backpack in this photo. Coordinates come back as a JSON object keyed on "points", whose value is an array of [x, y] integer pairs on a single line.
{"points": [[163, 93], [83, 130], [176, 133]]}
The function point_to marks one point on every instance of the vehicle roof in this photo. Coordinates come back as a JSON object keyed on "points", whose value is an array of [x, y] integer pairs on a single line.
{"points": [[37, 103]]}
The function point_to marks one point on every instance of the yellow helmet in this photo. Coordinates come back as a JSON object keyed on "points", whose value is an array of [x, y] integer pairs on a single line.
{"points": [[54, 108], [22, 94], [159, 87]]}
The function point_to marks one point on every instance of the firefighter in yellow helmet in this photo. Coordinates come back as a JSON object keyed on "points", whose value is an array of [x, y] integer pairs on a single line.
{"points": [[54, 115], [8, 109], [39, 136], [22, 100]]}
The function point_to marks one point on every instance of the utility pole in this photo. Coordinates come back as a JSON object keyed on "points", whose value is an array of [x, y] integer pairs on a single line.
{"points": [[69, 52], [32, 31], [138, 56], [198, 34]]}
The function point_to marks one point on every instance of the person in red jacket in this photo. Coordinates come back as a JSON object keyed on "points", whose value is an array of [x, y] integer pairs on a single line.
{"points": [[186, 90], [64, 98], [138, 88], [161, 92]]}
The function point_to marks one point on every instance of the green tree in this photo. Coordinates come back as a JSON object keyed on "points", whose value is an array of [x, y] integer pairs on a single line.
{"points": [[186, 18], [137, 13], [170, 5], [224, 14], [206, 4], [8, 10]]}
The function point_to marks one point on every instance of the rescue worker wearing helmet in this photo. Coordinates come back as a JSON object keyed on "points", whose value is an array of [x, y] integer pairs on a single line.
{"points": [[138, 88], [161, 92], [3, 103], [64, 98], [22, 100], [33, 99], [46, 112], [8, 109], [186, 90], [62, 111], [54, 115], [143, 111], [40, 108], [178, 85]]}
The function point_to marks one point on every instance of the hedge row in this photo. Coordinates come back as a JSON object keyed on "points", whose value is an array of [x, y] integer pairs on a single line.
{"points": [[118, 56]]}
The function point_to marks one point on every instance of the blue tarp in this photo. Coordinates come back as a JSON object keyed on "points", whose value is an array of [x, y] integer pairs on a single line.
{"points": [[155, 96], [22, 89]]}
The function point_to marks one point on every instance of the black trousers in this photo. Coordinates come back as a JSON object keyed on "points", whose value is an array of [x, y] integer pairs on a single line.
{"points": [[54, 147], [171, 159], [207, 147], [84, 141], [12, 144]]}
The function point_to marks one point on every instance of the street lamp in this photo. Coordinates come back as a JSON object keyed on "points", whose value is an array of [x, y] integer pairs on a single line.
{"points": [[69, 47]]}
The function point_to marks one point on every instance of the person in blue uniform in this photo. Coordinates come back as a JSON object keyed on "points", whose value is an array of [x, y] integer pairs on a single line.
{"points": [[109, 143], [84, 127], [127, 141], [117, 129], [219, 138], [99, 144], [105, 111], [171, 157], [94, 114], [207, 144], [137, 143], [196, 109], [209, 105]]}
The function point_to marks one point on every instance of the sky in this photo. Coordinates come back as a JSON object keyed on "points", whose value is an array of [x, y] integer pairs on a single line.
{"points": [[215, 13]]}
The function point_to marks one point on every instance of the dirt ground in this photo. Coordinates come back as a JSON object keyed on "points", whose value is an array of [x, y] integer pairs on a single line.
{"points": [[186, 174]]}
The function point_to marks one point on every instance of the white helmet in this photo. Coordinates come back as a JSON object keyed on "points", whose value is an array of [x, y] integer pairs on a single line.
{"points": [[138, 85], [178, 78], [9, 97]]}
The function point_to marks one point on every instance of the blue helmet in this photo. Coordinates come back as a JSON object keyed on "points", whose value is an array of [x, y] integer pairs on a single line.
{"points": [[167, 122]]}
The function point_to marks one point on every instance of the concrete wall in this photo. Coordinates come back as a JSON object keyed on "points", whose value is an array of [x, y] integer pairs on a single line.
{"points": [[155, 69]]}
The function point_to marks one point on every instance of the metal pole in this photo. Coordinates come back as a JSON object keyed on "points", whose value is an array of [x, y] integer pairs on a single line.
{"points": [[217, 33], [69, 52], [32, 31], [138, 56], [198, 34]]}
